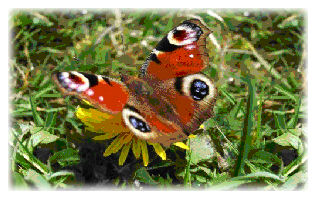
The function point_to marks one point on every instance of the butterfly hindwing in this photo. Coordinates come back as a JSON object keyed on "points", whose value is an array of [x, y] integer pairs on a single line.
{"points": [[172, 109], [191, 97], [181, 52], [106, 94], [194, 100]]}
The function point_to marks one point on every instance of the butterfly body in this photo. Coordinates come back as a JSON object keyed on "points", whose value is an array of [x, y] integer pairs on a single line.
{"points": [[170, 98]]}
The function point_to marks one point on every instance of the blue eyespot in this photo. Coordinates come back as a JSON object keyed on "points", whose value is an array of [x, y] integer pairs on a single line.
{"points": [[199, 90], [139, 124]]}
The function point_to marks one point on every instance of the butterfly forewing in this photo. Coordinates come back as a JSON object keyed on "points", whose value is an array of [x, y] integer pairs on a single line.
{"points": [[181, 52], [106, 94]]}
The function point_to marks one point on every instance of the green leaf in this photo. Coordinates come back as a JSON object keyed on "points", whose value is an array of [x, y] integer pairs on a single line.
{"points": [[293, 181], [18, 180], [200, 177], [265, 157], [41, 137], [19, 159], [40, 19], [288, 139], [219, 177], [294, 164], [201, 149], [164, 182], [60, 173], [260, 174], [29, 157], [65, 157], [142, 175], [297, 132], [230, 184], [289, 22], [37, 179]]}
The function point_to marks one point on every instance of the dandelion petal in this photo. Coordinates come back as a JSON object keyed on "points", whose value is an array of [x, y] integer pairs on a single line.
{"points": [[181, 145], [104, 136], [159, 150], [144, 152], [114, 146], [124, 153], [136, 148]]}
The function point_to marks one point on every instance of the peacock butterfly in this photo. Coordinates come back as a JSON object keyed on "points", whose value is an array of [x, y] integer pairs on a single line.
{"points": [[171, 97]]}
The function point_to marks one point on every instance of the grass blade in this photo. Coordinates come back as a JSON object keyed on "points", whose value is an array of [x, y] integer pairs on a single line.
{"points": [[248, 123], [293, 122], [229, 185], [27, 155], [37, 119], [187, 176], [266, 65], [286, 92], [260, 174]]}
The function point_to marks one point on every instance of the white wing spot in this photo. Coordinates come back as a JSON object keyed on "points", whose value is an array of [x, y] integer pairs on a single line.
{"points": [[90, 92], [73, 86], [191, 56], [190, 47], [67, 80], [64, 75], [101, 98]]}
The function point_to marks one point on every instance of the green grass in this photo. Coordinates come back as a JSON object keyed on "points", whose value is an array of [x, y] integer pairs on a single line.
{"points": [[256, 139]]}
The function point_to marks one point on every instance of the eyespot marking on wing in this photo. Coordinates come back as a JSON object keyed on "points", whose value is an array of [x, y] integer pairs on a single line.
{"points": [[198, 87], [137, 123]]}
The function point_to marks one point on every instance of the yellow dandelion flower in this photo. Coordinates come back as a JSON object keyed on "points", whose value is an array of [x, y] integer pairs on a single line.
{"points": [[202, 127], [192, 136], [112, 127], [159, 150], [181, 145]]}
